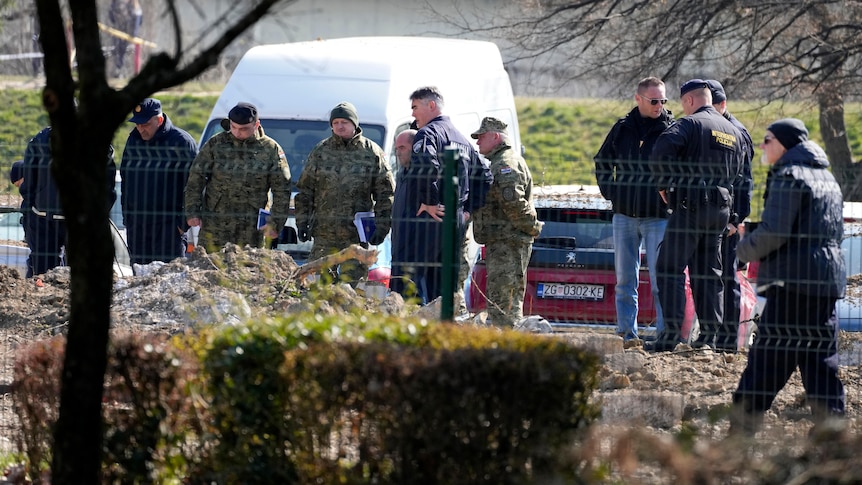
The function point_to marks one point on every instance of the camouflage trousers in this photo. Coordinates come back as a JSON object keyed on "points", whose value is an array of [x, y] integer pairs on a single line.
{"points": [[350, 271], [506, 263], [460, 302], [216, 231]]}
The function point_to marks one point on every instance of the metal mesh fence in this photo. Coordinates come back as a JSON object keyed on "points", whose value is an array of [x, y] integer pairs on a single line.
{"points": [[800, 244]]}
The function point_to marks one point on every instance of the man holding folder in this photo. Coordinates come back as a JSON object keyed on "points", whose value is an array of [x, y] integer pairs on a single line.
{"points": [[345, 174]]}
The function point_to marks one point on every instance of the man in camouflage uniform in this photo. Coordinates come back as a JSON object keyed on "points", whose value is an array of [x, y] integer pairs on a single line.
{"points": [[506, 225], [344, 174], [230, 179]]}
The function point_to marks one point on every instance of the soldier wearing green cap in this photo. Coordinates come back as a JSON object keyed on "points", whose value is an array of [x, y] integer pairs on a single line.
{"points": [[344, 174], [506, 224]]}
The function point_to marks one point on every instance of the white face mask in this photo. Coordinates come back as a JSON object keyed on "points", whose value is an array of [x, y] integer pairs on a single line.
{"points": [[764, 160]]}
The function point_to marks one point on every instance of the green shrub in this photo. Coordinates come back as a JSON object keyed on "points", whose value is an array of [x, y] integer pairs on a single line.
{"points": [[367, 399], [36, 400], [151, 425]]}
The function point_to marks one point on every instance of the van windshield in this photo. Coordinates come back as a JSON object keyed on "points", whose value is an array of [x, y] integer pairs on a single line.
{"points": [[298, 137]]}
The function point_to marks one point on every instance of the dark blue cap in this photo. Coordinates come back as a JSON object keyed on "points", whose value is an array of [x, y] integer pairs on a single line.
{"points": [[717, 91], [691, 85], [17, 171], [146, 110]]}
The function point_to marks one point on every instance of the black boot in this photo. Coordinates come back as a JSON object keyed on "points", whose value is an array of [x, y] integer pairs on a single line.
{"points": [[664, 342], [744, 423], [828, 423]]}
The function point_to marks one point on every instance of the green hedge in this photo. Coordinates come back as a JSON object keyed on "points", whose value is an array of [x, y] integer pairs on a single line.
{"points": [[360, 399], [350, 398]]}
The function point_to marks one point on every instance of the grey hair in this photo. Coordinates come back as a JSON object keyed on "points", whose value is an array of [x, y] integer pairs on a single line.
{"points": [[428, 93]]}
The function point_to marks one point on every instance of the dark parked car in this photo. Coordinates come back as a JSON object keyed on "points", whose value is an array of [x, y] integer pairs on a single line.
{"points": [[570, 278]]}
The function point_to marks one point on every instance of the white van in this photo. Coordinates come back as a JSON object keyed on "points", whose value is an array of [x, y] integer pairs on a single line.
{"points": [[295, 85]]}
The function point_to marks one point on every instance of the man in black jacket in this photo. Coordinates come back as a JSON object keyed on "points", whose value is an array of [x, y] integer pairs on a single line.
{"points": [[640, 216], [696, 162], [154, 170], [802, 274], [46, 226], [726, 338], [403, 245], [435, 134]]}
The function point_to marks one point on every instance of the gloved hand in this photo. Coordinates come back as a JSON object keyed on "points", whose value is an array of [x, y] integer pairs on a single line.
{"points": [[302, 233], [537, 229], [377, 238]]}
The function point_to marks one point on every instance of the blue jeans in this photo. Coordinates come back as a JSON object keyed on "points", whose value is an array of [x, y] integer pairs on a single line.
{"points": [[630, 234]]}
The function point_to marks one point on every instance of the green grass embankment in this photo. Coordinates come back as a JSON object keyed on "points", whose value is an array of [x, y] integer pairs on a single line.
{"points": [[561, 135]]}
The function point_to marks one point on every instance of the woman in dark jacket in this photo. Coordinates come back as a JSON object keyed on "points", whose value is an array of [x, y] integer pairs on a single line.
{"points": [[802, 275]]}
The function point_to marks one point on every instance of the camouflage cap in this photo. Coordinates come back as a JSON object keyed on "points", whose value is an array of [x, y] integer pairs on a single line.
{"points": [[490, 125]]}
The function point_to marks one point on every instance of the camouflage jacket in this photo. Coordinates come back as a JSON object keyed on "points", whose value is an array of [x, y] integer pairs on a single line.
{"points": [[232, 177], [340, 178], [508, 213]]}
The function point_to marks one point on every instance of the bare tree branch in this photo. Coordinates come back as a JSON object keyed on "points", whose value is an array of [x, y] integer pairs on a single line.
{"points": [[80, 149], [772, 50]]}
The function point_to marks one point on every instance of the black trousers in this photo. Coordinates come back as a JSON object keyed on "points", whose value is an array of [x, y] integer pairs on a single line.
{"points": [[159, 241], [692, 239], [46, 236], [726, 335], [795, 330]]}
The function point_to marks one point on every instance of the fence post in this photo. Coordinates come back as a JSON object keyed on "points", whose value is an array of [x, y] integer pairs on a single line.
{"points": [[450, 234]]}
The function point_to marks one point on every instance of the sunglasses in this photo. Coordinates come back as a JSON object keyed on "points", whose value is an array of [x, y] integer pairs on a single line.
{"points": [[655, 101]]}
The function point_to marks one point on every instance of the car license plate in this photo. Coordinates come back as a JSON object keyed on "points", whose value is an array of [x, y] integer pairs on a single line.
{"points": [[571, 291]]}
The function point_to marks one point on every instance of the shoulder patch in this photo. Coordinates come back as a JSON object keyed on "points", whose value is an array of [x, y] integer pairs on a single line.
{"points": [[417, 147], [509, 194], [506, 170]]}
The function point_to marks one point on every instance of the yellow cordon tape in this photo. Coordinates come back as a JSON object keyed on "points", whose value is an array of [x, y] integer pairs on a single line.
{"points": [[125, 36]]}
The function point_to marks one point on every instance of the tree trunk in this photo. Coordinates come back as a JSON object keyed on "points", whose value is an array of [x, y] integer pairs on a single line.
{"points": [[836, 144], [80, 140], [80, 146], [78, 436]]}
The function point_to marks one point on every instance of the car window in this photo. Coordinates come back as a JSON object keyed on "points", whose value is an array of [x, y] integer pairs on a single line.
{"points": [[574, 238], [10, 219], [582, 228], [851, 246]]}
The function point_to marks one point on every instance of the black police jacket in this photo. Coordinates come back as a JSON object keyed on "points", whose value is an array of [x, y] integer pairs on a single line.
{"points": [[154, 175], [698, 159], [622, 165], [427, 162], [798, 241], [40, 191], [744, 186]]}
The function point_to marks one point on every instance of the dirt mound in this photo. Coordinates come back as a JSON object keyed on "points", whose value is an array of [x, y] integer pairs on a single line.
{"points": [[237, 283]]}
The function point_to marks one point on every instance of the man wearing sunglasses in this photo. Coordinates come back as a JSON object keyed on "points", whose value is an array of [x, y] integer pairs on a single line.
{"points": [[696, 163], [640, 216]]}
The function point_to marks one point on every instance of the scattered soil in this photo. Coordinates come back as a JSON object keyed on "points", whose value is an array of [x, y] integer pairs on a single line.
{"points": [[238, 283]]}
